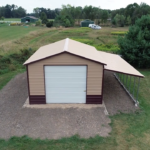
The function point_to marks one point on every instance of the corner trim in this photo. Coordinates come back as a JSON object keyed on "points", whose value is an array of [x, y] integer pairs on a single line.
{"points": [[28, 82]]}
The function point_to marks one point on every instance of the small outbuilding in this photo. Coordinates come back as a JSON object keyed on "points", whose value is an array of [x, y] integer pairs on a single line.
{"points": [[68, 71], [30, 19], [85, 23]]}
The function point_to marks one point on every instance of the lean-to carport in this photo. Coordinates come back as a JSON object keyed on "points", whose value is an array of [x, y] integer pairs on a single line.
{"points": [[126, 75]]}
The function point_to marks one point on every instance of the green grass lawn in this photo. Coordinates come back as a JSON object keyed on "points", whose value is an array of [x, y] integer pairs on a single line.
{"points": [[12, 19], [129, 131], [11, 33]]}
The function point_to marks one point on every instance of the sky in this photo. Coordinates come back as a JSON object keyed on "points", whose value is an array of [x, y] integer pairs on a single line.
{"points": [[52, 4]]}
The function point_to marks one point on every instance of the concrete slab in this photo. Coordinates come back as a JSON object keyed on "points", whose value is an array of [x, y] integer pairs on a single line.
{"points": [[63, 106]]}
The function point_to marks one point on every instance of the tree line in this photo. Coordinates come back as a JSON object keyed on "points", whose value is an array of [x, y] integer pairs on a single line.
{"points": [[68, 14], [12, 11]]}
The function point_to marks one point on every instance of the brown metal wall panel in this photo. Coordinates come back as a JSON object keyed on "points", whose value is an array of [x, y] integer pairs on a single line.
{"points": [[37, 99], [94, 99], [94, 73]]}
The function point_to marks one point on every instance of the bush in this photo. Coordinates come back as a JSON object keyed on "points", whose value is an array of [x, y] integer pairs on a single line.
{"points": [[64, 20], [13, 61], [49, 24], [135, 46], [38, 23], [13, 24]]}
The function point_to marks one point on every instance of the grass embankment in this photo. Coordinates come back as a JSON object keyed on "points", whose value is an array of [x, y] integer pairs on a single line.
{"points": [[129, 131]]}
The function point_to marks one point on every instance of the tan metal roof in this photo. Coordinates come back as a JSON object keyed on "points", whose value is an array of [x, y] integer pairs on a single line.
{"points": [[116, 63], [66, 45], [111, 61]]}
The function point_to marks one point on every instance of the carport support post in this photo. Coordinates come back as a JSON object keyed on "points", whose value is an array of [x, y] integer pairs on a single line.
{"points": [[127, 80], [137, 92], [130, 84], [134, 87]]}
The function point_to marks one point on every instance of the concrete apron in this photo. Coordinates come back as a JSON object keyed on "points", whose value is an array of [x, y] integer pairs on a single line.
{"points": [[64, 106]]}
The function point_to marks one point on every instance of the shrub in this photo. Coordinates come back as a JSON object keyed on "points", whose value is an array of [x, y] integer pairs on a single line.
{"points": [[12, 67], [13, 61], [49, 24], [43, 17], [38, 23], [13, 24], [135, 46]]}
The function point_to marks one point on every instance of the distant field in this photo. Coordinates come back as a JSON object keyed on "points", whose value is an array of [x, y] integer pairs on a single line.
{"points": [[19, 19], [101, 39], [12, 19]]}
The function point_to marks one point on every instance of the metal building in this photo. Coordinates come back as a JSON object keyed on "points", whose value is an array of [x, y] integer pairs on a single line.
{"points": [[30, 19], [85, 23], [68, 71]]}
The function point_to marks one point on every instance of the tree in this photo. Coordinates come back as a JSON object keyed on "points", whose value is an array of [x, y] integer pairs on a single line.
{"points": [[8, 13], [36, 11], [135, 46], [89, 12], [104, 16], [78, 13], [43, 17], [66, 21], [2, 18], [120, 19], [13, 7], [128, 21], [114, 22]]}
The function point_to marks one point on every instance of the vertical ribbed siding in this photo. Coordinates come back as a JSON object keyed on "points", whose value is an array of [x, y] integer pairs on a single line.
{"points": [[94, 74]]}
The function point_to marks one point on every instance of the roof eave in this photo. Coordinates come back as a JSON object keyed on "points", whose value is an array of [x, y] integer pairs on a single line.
{"points": [[61, 53]]}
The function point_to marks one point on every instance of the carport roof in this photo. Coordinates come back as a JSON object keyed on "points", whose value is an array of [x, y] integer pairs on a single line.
{"points": [[112, 62]]}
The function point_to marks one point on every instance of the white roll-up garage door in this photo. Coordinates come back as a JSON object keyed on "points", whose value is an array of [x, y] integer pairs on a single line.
{"points": [[65, 84]]}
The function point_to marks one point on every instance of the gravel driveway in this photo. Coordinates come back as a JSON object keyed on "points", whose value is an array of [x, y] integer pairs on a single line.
{"points": [[54, 123], [46, 123], [115, 97]]}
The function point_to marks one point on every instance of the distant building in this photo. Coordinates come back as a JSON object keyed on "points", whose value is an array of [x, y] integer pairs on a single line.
{"points": [[85, 23], [29, 19]]}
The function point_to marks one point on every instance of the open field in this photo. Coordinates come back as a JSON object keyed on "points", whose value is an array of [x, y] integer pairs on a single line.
{"points": [[129, 131], [19, 37]]}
